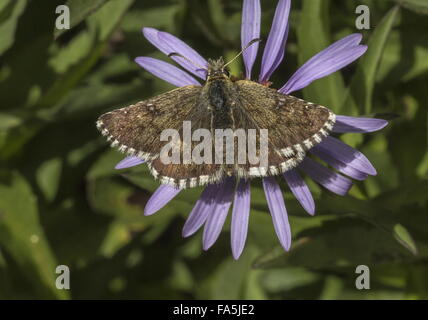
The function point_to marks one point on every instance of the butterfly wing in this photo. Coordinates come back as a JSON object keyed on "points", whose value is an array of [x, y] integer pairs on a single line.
{"points": [[136, 129], [294, 125]]}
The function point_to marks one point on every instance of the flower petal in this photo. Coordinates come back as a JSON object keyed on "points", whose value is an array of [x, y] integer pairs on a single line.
{"points": [[331, 59], [347, 155], [160, 198], [328, 179], [350, 41], [250, 30], [278, 211], [203, 207], [167, 43], [128, 162], [179, 46], [275, 45], [358, 125], [240, 215], [215, 220], [300, 190], [167, 72], [338, 165]]}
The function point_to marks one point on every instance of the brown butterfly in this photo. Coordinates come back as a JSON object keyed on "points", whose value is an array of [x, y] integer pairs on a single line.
{"points": [[294, 126]]}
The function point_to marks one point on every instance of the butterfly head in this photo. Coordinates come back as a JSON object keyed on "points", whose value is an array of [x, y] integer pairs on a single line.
{"points": [[217, 69]]}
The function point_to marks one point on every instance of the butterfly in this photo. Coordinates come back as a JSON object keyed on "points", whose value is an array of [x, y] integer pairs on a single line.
{"points": [[294, 126]]}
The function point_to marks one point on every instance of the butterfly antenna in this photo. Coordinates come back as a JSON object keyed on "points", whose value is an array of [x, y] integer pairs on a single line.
{"points": [[243, 50], [176, 54]]}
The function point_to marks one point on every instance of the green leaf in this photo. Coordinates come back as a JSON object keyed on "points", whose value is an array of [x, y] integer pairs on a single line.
{"points": [[363, 83], [74, 52], [228, 278], [102, 23], [418, 6], [332, 288], [105, 20], [404, 237], [277, 280], [417, 279], [23, 238], [313, 36], [104, 165], [158, 17], [379, 223], [48, 176], [413, 126], [112, 197], [10, 11], [337, 243], [226, 27], [405, 56], [117, 236], [8, 121]]}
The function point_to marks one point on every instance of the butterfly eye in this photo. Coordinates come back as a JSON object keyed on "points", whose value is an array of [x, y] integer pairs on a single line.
{"points": [[226, 72]]}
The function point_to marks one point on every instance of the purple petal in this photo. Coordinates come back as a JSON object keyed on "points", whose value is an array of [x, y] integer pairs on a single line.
{"points": [[347, 42], [203, 207], [300, 190], [277, 209], [358, 125], [179, 46], [250, 30], [240, 215], [305, 76], [160, 198], [167, 43], [275, 46], [328, 179], [218, 215], [128, 162], [167, 72], [338, 165], [331, 59], [347, 155], [352, 40]]}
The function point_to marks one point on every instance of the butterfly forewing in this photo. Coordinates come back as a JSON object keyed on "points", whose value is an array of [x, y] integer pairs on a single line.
{"points": [[136, 129], [294, 125]]}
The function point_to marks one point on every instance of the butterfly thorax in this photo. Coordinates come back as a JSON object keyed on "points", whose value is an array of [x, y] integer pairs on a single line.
{"points": [[217, 96]]}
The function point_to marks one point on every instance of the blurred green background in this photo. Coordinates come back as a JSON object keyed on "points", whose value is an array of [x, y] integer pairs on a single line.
{"points": [[62, 203]]}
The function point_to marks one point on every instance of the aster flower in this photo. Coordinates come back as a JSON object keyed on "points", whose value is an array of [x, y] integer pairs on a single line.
{"points": [[212, 208]]}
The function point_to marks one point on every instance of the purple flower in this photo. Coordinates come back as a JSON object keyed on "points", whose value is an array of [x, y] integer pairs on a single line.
{"points": [[213, 206]]}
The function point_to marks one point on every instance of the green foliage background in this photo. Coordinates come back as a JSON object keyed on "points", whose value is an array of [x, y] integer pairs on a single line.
{"points": [[61, 201]]}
